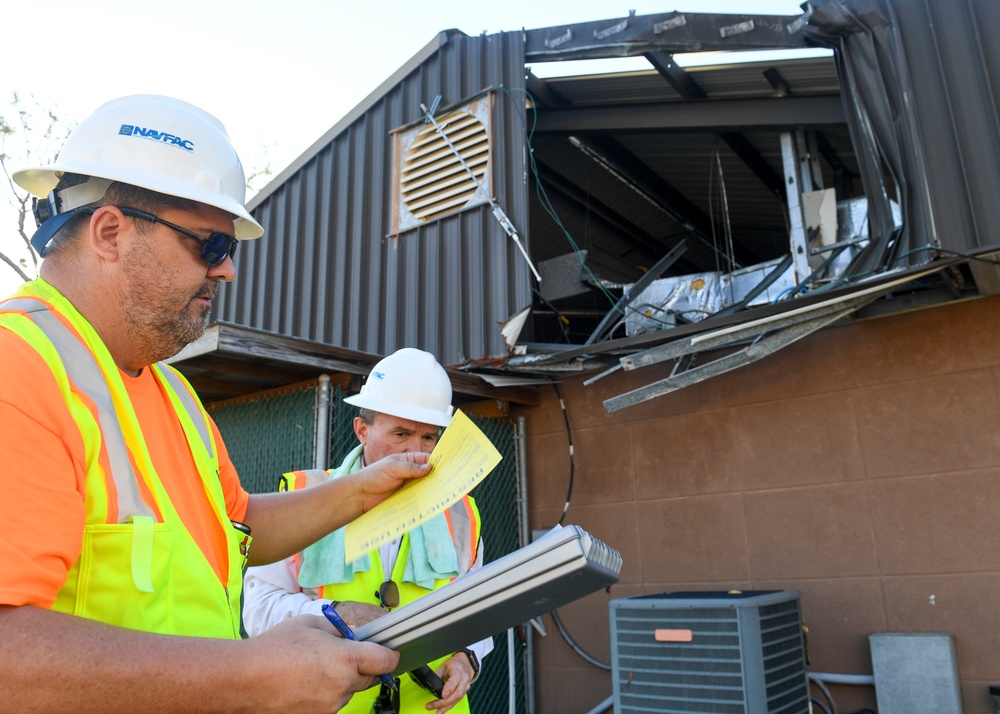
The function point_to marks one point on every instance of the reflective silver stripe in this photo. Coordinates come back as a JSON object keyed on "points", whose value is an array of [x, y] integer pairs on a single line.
{"points": [[86, 374], [190, 405], [461, 535]]}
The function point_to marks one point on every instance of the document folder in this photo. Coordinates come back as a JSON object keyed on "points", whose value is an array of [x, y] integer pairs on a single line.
{"points": [[562, 566]]}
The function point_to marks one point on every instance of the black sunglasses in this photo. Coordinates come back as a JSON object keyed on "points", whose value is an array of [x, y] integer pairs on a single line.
{"points": [[214, 249], [388, 595]]}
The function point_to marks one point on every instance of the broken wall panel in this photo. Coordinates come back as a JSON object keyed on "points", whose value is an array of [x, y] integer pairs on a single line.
{"points": [[922, 84]]}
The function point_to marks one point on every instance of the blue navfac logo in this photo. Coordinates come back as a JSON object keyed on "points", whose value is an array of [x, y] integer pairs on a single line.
{"points": [[154, 135]]}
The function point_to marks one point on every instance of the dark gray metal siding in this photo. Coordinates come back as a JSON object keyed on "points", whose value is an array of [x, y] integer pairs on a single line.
{"points": [[922, 79], [326, 271]]}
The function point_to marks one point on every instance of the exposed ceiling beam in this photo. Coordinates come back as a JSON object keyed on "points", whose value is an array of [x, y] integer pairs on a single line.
{"points": [[587, 203], [686, 86], [669, 198], [714, 115]]}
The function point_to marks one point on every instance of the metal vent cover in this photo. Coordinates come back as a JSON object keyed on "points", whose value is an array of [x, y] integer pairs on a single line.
{"points": [[440, 175], [745, 656]]}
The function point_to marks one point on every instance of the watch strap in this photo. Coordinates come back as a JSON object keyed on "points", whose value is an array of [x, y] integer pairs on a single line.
{"points": [[473, 660]]}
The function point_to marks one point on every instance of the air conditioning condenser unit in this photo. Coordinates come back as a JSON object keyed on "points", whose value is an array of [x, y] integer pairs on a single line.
{"points": [[699, 652]]}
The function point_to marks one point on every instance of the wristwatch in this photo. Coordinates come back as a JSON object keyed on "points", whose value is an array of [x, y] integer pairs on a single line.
{"points": [[473, 660]]}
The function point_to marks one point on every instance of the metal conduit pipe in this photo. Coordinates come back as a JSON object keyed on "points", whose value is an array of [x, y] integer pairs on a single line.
{"points": [[864, 680], [520, 451], [321, 442], [511, 669], [603, 706]]}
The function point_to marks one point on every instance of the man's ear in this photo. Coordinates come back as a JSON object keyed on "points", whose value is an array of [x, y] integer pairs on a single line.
{"points": [[361, 430], [106, 231]]}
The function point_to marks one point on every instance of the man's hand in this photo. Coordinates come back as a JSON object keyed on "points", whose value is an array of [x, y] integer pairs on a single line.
{"points": [[299, 666], [285, 523], [302, 665], [457, 674], [378, 481], [356, 614]]}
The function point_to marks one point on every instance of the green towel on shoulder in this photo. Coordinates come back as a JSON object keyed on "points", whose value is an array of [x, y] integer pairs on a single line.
{"points": [[431, 556]]}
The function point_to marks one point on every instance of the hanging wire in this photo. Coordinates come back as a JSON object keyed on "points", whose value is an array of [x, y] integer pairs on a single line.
{"points": [[572, 643], [543, 197], [572, 465], [711, 215]]}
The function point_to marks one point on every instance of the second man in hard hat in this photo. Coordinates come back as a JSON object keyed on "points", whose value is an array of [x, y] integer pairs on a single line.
{"points": [[403, 406]]}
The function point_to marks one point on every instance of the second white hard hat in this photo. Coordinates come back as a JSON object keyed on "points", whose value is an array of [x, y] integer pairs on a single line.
{"points": [[409, 384], [158, 143]]}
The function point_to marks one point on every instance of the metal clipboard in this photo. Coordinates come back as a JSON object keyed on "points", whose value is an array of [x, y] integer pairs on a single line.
{"points": [[562, 566]]}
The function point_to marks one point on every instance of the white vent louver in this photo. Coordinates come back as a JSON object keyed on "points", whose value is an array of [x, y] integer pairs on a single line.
{"points": [[433, 182]]}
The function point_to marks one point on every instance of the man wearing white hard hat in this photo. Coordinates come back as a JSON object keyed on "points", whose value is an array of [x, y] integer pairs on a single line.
{"points": [[124, 530], [404, 403]]}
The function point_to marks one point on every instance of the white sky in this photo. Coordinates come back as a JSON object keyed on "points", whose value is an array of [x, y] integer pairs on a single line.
{"points": [[278, 73]]}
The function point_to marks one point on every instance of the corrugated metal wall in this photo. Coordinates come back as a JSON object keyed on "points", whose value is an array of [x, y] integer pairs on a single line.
{"points": [[325, 269], [923, 80], [954, 60]]}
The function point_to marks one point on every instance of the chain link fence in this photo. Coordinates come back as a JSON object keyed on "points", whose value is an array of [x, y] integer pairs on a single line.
{"points": [[275, 432], [269, 434]]}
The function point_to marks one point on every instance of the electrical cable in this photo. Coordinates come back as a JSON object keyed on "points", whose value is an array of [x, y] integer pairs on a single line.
{"points": [[572, 465], [543, 197], [977, 258], [575, 646], [560, 318], [826, 692], [818, 702], [726, 218]]}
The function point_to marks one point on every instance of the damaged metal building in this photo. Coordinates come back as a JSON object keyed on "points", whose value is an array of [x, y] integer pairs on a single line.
{"points": [[695, 254]]}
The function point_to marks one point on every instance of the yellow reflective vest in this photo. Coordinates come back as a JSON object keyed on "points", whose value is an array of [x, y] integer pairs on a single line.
{"points": [[139, 567], [463, 524]]}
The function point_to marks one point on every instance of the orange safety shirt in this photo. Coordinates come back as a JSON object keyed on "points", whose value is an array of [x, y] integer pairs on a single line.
{"points": [[42, 511]]}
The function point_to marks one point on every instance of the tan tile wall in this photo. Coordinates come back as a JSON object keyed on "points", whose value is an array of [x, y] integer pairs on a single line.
{"points": [[860, 466]]}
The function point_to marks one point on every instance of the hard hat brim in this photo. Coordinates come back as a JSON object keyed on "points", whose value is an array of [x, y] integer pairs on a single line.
{"points": [[40, 180], [403, 411]]}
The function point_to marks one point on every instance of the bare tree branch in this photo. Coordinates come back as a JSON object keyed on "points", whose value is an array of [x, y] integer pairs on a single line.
{"points": [[32, 136]]}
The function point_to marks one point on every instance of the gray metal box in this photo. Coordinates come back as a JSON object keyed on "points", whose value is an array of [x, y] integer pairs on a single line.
{"points": [[744, 655], [915, 673]]}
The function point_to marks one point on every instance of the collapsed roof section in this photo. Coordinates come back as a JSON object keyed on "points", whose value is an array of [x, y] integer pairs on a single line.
{"points": [[702, 213], [735, 208]]}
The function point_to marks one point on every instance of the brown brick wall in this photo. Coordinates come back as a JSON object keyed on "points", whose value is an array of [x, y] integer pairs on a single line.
{"points": [[860, 466]]}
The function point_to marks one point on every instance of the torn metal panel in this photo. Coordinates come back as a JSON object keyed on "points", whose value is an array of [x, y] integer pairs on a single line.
{"points": [[695, 297], [556, 354], [512, 326], [665, 32], [920, 82], [724, 336], [757, 350], [766, 336], [633, 292], [563, 276]]}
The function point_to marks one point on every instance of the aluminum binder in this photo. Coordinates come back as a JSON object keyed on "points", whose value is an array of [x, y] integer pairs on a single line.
{"points": [[562, 566]]}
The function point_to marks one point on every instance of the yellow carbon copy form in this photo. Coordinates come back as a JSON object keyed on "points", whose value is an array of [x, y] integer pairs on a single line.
{"points": [[462, 458]]}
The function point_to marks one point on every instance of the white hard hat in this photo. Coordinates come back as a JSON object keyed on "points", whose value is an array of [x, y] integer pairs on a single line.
{"points": [[409, 384], [157, 143]]}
